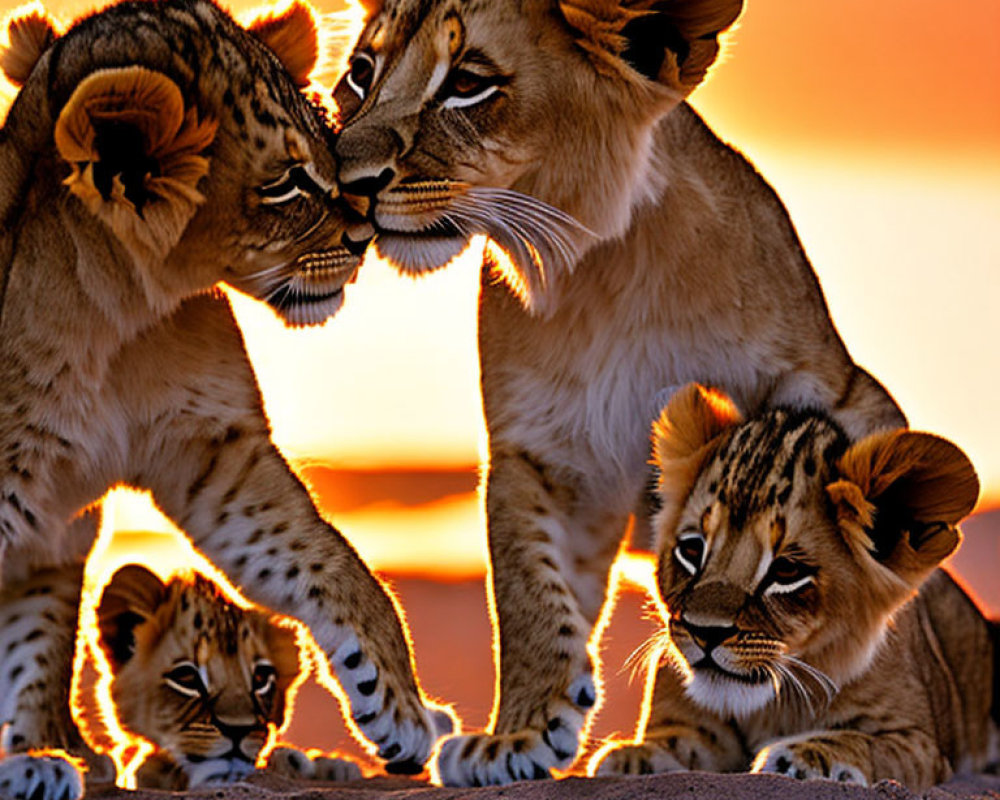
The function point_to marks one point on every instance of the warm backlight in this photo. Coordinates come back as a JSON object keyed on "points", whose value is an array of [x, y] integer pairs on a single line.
{"points": [[165, 552]]}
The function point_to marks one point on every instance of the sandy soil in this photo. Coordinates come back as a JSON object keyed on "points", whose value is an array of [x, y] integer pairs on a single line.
{"points": [[677, 786]]}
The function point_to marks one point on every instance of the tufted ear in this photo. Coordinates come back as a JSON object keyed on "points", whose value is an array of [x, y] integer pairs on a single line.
{"points": [[692, 421], [293, 37], [30, 31], [904, 492], [283, 647], [131, 597], [673, 42], [135, 155]]}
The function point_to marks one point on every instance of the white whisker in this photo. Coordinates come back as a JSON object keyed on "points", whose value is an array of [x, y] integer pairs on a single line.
{"points": [[542, 241], [648, 655], [823, 681]]}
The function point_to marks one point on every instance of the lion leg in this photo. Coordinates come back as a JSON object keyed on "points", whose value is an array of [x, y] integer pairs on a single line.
{"points": [[213, 469], [549, 581], [675, 736], [260, 527], [38, 619]]}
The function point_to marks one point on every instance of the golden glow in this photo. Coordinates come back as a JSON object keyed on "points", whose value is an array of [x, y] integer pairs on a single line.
{"points": [[162, 548], [166, 553], [127, 751], [640, 571], [894, 196], [393, 379], [324, 676], [441, 539]]}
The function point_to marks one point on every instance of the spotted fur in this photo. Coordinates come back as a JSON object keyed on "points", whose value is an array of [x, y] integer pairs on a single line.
{"points": [[808, 630], [689, 269], [154, 150], [206, 682]]}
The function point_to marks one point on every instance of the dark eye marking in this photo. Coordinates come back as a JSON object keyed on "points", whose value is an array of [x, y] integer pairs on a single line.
{"points": [[264, 677], [472, 80], [296, 181], [787, 575], [361, 74], [186, 679], [690, 551]]}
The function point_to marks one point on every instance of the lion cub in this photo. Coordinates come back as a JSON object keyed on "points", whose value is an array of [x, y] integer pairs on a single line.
{"points": [[796, 640], [203, 680], [690, 270]]}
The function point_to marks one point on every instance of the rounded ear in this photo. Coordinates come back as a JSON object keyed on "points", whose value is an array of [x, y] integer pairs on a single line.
{"points": [[906, 491], [694, 418], [673, 42], [135, 155], [293, 37], [131, 597], [30, 32]]}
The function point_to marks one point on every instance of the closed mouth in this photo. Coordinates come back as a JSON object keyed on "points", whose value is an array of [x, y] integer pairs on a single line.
{"points": [[709, 665], [314, 289]]}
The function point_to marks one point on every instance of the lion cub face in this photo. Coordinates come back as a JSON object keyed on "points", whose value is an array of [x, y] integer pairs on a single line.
{"points": [[555, 99], [206, 163], [783, 550], [199, 677]]}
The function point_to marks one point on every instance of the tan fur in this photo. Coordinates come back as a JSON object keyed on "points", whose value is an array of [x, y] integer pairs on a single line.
{"points": [[791, 564], [28, 36], [691, 271], [212, 728], [155, 150], [292, 36]]}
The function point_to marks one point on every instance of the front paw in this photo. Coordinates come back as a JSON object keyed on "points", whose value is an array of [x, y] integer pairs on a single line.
{"points": [[634, 759], [485, 759], [396, 721], [807, 760], [293, 763], [482, 759], [40, 777]]}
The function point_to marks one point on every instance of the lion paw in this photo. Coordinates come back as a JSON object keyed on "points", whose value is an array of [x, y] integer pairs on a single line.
{"points": [[634, 759], [293, 763], [36, 777], [805, 761], [405, 732], [485, 759]]}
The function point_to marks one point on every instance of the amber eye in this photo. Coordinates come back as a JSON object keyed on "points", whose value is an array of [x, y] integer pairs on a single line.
{"points": [[186, 679], [465, 83], [264, 677], [359, 77], [466, 88], [690, 551], [788, 575]]}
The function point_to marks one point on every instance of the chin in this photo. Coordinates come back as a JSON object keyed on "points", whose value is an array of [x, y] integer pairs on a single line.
{"points": [[415, 254], [728, 695], [306, 311]]}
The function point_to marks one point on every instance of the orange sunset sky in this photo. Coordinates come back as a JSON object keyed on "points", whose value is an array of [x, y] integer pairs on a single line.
{"points": [[878, 122]]}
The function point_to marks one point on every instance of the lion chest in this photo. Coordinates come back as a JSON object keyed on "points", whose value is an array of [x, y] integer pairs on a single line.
{"points": [[582, 387]]}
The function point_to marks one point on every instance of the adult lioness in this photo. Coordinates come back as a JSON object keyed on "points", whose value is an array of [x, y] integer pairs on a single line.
{"points": [[695, 273]]}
